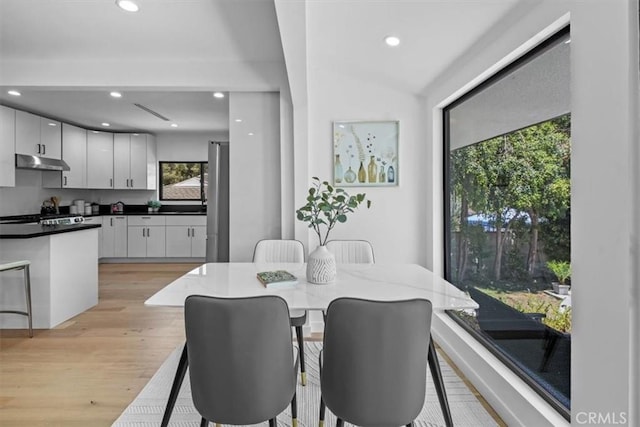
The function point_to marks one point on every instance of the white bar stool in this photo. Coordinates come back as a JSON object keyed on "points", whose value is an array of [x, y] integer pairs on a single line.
{"points": [[21, 265]]}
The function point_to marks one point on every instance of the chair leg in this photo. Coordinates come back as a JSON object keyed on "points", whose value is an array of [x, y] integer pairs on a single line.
{"points": [[204, 423], [294, 411], [322, 411], [27, 289], [273, 422], [303, 372], [339, 422]]}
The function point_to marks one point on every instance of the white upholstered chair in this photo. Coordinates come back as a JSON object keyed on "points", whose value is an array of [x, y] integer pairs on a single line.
{"points": [[351, 251], [267, 251]]}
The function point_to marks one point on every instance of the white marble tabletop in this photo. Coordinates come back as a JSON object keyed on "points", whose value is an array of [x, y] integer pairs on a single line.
{"points": [[381, 282]]}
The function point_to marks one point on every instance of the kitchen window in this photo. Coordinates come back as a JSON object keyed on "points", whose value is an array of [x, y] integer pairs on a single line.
{"points": [[184, 181]]}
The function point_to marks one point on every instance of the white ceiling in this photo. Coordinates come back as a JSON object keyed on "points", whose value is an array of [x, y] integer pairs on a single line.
{"points": [[342, 34]]}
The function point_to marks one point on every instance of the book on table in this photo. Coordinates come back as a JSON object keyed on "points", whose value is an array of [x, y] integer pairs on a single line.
{"points": [[277, 278]]}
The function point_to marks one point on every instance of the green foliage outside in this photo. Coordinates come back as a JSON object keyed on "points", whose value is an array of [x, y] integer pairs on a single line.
{"points": [[173, 173], [562, 270], [521, 183], [555, 317]]}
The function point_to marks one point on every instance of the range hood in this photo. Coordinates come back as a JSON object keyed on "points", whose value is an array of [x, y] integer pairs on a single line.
{"points": [[24, 161]]}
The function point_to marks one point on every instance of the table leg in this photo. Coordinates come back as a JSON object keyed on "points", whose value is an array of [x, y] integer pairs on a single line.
{"points": [[434, 365], [175, 387]]}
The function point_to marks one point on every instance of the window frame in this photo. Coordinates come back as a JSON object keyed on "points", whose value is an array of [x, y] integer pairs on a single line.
{"points": [[446, 206], [203, 195]]}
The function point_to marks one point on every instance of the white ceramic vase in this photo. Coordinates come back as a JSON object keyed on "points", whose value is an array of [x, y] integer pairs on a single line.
{"points": [[321, 266]]}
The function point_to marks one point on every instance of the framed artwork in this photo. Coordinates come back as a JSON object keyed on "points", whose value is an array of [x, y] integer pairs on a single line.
{"points": [[365, 154]]}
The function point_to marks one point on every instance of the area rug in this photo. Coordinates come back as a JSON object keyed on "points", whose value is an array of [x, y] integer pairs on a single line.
{"points": [[147, 408]]}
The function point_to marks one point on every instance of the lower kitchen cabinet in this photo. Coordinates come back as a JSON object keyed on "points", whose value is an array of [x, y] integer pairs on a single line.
{"points": [[114, 237], [146, 237], [96, 220], [186, 236]]}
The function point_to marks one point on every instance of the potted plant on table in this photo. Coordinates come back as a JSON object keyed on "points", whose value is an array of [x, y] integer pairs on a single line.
{"points": [[562, 271], [326, 207]]}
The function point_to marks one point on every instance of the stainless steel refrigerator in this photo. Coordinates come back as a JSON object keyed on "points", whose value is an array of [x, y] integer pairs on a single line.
{"points": [[218, 203]]}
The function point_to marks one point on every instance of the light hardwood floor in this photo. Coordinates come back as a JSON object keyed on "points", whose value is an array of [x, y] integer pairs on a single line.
{"points": [[86, 371]]}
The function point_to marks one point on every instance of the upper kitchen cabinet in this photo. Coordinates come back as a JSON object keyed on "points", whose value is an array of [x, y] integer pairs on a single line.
{"points": [[38, 136], [152, 163], [74, 153], [99, 159], [130, 161], [7, 146]]}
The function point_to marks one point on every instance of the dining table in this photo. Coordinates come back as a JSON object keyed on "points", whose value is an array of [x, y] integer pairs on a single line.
{"points": [[379, 281]]}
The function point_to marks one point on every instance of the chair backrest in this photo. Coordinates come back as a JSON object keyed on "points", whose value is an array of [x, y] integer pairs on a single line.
{"points": [[351, 251], [241, 362], [375, 360], [279, 251]]}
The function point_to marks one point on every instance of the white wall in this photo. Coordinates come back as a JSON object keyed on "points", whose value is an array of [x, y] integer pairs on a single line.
{"points": [[395, 224], [604, 67], [254, 171], [186, 146]]}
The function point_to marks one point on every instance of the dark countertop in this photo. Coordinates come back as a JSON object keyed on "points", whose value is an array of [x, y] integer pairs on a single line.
{"points": [[160, 213], [27, 231]]}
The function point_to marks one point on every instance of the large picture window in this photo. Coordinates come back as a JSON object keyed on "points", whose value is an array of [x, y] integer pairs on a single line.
{"points": [[507, 215], [183, 181]]}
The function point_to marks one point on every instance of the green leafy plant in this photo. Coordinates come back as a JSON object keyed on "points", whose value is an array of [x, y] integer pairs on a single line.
{"points": [[154, 204], [326, 206], [562, 270]]}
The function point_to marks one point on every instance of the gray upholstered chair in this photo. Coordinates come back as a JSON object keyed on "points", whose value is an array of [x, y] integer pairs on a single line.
{"points": [[351, 251], [374, 371], [241, 359], [268, 251]]}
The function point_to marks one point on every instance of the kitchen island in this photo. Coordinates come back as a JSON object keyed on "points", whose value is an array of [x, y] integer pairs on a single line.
{"points": [[64, 272]]}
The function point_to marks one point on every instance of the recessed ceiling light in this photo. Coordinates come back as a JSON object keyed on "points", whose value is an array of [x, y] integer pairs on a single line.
{"points": [[218, 95], [116, 94], [14, 93], [128, 5], [392, 41], [105, 124], [174, 125], [567, 41], [51, 124], [238, 120], [250, 134], [95, 131]]}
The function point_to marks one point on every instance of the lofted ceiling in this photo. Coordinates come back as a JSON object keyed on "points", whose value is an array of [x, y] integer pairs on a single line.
{"points": [[168, 36]]}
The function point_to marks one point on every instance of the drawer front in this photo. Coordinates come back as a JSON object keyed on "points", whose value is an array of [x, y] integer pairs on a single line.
{"points": [[193, 220], [146, 220], [93, 220]]}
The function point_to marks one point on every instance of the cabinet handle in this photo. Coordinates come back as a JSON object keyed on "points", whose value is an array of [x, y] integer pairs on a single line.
{"points": [[188, 232], [111, 219], [65, 181], [143, 233], [110, 182], [131, 182], [193, 232], [148, 232], [44, 149], [39, 147]]}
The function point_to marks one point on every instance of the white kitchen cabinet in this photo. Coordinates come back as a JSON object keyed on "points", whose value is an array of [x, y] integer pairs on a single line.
{"points": [[7, 147], [152, 163], [130, 161], [38, 136], [114, 236], [74, 153], [99, 159], [146, 237], [186, 236], [96, 220]]}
